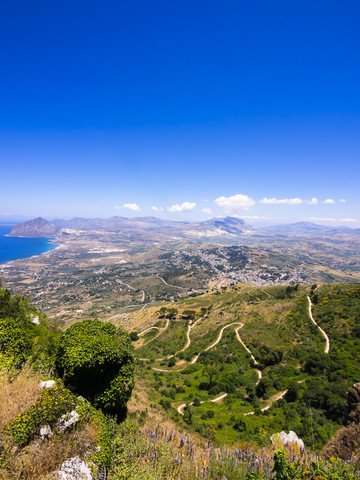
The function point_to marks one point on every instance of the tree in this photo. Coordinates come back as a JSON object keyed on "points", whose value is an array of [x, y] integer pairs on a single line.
{"points": [[211, 371], [315, 298], [97, 359], [293, 392], [171, 313], [189, 314], [263, 387], [171, 362], [134, 336], [188, 415]]}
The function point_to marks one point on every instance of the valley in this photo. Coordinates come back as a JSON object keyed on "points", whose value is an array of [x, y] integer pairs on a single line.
{"points": [[114, 267]]}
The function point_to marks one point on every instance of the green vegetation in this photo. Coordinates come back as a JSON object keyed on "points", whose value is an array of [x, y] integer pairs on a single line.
{"points": [[97, 359], [91, 352], [154, 452], [304, 388], [171, 340], [20, 338], [50, 406], [288, 349], [317, 470]]}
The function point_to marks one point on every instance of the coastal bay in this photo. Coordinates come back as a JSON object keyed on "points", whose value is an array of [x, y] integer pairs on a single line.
{"points": [[15, 248]]}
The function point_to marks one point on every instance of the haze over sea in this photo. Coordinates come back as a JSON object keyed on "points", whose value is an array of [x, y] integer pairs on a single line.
{"points": [[14, 248]]}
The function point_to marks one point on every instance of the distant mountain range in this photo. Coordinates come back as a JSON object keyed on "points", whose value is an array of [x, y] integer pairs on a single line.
{"points": [[210, 229], [308, 228]]}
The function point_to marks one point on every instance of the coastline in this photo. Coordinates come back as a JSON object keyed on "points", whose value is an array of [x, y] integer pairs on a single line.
{"points": [[52, 241]]}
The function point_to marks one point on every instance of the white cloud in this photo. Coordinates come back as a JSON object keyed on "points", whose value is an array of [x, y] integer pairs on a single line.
{"points": [[348, 220], [207, 210], [157, 209], [342, 200], [184, 207], [235, 203], [282, 201], [313, 201], [329, 201], [131, 206]]}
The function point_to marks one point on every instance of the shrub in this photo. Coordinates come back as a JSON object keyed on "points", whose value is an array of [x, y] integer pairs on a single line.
{"points": [[318, 470], [20, 339], [98, 360], [52, 403], [15, 341], [171, 362], [166, 404]]}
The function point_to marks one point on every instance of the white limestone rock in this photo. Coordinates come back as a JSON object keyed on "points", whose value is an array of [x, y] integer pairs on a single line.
{"points": [[74, 469], [284, 438], [45, 432], [65, 421], [47, 384]]}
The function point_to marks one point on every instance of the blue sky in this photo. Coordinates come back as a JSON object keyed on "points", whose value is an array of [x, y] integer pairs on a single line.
{"points": [[197, 108]]}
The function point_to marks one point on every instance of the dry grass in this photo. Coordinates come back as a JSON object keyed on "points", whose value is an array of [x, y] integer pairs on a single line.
{"points": [[39, 459], [156, 415], [17, 395]]}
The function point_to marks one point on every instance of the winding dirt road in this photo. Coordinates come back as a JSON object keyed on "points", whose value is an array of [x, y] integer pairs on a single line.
{"points": [[195, 359], [182, 407], [161, 330], [259, 374], [145, 331], [327, 344], [188, 343], [168, 284], [273, 399]]}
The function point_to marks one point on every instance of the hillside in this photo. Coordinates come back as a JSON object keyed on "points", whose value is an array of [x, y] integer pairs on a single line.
{"points": [[249, 362], [242, 347]]}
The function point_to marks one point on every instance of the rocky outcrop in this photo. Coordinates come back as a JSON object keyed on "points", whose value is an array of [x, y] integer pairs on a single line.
{"points": [[347, 439], [38, 227], [352, 407], [67, 420], [283, 438], [344, 444], [47, 384], [74, 469], [45, 432]]}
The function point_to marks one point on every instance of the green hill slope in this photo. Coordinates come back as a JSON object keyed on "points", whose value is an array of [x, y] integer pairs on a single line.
{"points": [[205, 367]]}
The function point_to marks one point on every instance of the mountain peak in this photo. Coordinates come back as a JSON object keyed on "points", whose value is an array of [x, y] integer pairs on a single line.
{"points": [[37, 227]]}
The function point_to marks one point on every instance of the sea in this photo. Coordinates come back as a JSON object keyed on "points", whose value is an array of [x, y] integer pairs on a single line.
{"points": [[14, 248]]}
